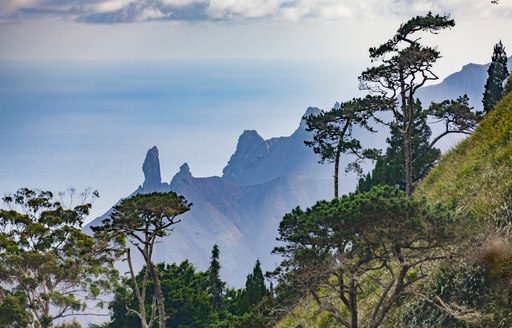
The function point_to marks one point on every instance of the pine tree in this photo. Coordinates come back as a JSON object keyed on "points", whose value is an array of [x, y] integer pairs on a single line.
{"points": [[255, 289], [389, 169], [405, 66], [497, 74], [215, 284]]}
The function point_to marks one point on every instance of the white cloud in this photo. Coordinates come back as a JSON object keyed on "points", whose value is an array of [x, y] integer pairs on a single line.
{"points": [[116, 11], [109, 6]]}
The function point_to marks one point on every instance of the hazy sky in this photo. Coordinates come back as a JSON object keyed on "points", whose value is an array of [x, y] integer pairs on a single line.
{"points": [[191, 29], [140, 29]]}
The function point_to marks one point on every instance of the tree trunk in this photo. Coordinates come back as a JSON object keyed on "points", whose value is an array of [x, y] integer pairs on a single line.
{"points": [[336, 171], [406, 133], [337, 157], [408, 163], [158, 293], [353, 305]]}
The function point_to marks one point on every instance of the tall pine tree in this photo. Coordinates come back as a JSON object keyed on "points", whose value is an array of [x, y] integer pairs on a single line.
{"points": [[497, 74], [215, 284], [389, 169], [255, 289]]}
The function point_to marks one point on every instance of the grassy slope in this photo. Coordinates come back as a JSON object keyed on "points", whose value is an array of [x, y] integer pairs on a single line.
{"points": [[476, 175]]}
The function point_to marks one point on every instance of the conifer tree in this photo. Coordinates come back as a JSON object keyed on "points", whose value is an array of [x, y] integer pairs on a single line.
{"points": [[390, 168], [215, 284], [406, 65], [332, 134], [255, 289], [497, 74]]}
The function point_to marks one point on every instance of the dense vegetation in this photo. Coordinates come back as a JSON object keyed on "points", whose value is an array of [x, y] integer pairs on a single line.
{"points": [[382, 256]]}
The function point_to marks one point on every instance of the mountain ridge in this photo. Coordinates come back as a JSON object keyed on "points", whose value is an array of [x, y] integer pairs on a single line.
{"points": [[239, 212]]}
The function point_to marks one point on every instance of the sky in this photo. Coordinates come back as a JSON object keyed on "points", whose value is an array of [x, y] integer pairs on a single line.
{"points": [[148, 29], [278, 31]]}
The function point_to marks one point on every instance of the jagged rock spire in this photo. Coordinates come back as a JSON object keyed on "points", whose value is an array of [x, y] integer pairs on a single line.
{"points": [[151, 169]]}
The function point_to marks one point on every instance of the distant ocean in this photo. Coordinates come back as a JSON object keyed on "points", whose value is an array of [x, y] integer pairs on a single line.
{"points": [[89, 123]]}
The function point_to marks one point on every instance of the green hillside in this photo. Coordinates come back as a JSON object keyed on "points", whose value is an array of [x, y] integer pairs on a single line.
{"points": [[477, 174]]}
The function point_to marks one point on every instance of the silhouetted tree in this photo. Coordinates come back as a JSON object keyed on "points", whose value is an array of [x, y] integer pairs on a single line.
{"points": [[497, 74], [406, 65], [141, 220], [332, 135], [390, 169], [455, 115], [255, 289], [215, 285]]}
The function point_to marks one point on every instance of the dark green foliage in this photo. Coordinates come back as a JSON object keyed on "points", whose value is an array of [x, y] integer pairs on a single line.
{"points": [[360, 244], [406, 65], [332, 134], [497, 74], [255, 289], [427, 23], [508, 85], [215, 285], [186, 298], [455, 115], [48, 267], [14, 310], [141, 219], [389, 169]]}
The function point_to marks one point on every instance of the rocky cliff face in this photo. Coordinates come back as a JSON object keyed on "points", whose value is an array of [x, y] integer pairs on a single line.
{"points": [[241, 210]]}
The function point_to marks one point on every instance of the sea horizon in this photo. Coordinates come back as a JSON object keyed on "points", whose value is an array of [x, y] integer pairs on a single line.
{"points": [[88, 123]]}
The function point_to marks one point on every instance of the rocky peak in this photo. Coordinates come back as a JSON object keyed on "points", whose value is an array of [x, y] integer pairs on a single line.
{"points": [[151, 169], [248, 143], [182, 177], [251, 148], [310, 111]]}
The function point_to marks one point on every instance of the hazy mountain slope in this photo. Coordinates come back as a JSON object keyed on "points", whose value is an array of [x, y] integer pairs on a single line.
{"points": [[469, 80], [240, 211], [257, 160]]}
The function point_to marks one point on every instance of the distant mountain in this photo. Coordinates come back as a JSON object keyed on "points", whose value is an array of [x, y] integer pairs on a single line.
{"points": [[263, 180], [241, 210], [469, 80], [256, 160]]}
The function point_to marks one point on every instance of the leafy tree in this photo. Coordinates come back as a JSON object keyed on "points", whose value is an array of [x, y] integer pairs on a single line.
{"points": [[497, 74], [48, 265], [185, 293], [215, 285], [378, 243], [13, 310], [186, 296], [456, 116], [332, 135], [406, 65], [390, 169], [142, 219]]}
